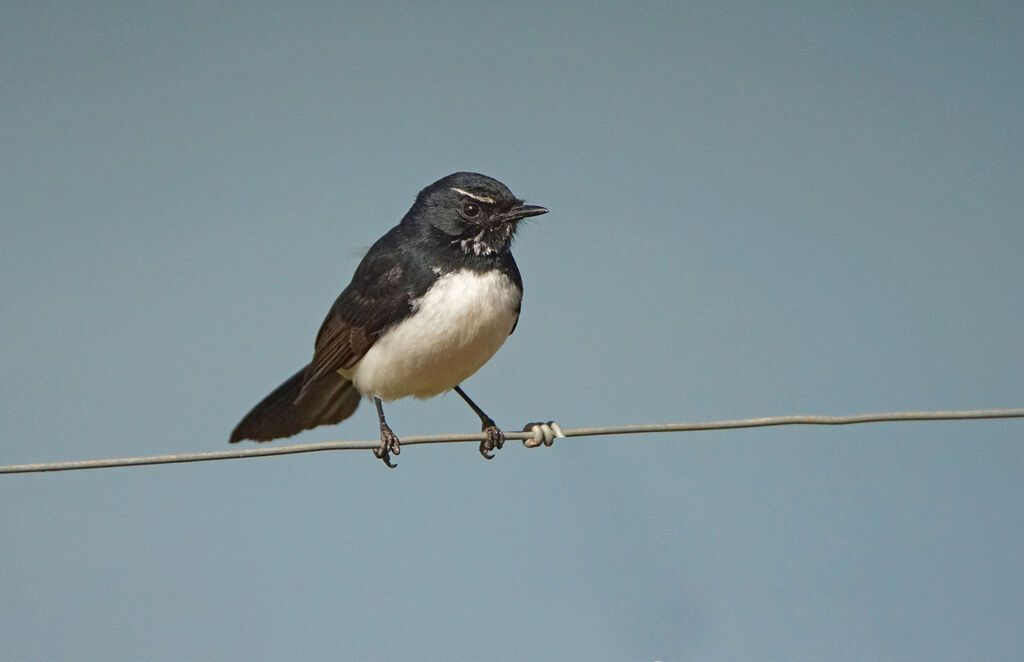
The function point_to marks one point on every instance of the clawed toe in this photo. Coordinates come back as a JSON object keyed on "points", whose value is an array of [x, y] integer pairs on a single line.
{"points": [[388, 444], [495, 440]]}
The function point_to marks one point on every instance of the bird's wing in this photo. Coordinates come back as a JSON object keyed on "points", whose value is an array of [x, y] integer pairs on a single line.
{"points": [[508, 263], [378, 296]]}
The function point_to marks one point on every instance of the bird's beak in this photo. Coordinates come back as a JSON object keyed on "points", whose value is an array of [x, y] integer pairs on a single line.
{"points": [[523, 211]]}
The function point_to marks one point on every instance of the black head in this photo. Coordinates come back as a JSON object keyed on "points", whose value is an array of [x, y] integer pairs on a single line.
{"points": [[479, 213]]}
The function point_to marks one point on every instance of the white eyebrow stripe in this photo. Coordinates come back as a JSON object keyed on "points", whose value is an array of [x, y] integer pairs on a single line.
{"points": [[481, 198]]}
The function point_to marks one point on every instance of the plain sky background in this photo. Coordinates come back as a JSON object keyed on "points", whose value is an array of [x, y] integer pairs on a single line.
{"points": [[756, 209]]}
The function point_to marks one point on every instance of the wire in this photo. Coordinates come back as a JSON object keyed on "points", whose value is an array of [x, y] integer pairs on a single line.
{"points": [[534, 435]]}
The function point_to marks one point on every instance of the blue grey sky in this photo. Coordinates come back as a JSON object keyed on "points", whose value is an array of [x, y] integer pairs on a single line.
{"points": [[756, 209]]}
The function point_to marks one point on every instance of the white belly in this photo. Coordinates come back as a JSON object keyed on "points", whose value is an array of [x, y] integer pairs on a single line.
{"points": [[455, 328]]}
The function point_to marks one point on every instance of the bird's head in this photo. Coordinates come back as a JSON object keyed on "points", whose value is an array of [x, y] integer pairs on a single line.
{"points": [[479, 213]]}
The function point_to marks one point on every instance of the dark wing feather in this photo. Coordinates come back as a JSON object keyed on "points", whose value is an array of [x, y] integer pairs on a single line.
{"points": [[508, 264], [379, 295]]}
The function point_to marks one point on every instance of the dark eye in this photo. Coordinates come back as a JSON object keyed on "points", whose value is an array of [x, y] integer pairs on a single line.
{"points": [[469, 209]]}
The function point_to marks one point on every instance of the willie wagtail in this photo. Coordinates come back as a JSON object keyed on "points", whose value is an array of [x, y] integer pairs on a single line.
{"points": [[430, 303]]}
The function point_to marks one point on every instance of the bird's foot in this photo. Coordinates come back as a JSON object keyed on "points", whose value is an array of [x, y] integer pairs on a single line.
{"points": [[388, 445], [495, 439]]}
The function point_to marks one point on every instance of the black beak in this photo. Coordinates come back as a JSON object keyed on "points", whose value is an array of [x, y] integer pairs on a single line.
{"points": [[524, 211]]}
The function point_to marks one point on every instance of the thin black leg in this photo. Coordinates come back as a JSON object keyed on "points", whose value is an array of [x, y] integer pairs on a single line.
{"points": [[388, 439], [495, 437]]}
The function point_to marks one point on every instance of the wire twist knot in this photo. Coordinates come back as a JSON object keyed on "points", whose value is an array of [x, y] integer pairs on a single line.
{"points": [[543, 433]]}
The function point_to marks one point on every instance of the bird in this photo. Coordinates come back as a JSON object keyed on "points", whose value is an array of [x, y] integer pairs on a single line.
{"points": [[429, 304]]}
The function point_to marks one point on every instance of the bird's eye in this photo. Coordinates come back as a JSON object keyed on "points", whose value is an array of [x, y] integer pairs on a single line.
{"points": [[469, 209]]}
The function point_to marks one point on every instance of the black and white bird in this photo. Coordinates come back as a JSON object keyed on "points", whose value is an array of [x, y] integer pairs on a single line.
{"points": [[430, 303]]}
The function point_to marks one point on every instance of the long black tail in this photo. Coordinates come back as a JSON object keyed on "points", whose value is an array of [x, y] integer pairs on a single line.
{"points": [[329, 400]]}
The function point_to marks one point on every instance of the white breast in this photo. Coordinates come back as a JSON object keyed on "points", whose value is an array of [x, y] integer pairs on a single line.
{"points": [[454, 329]]}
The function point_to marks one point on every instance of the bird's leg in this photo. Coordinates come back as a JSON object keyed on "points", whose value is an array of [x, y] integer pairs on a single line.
{"points": [[495, 437], [388, 439]]}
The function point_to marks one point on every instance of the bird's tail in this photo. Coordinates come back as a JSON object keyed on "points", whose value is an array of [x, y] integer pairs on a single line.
{"points": [[329, 400]]}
